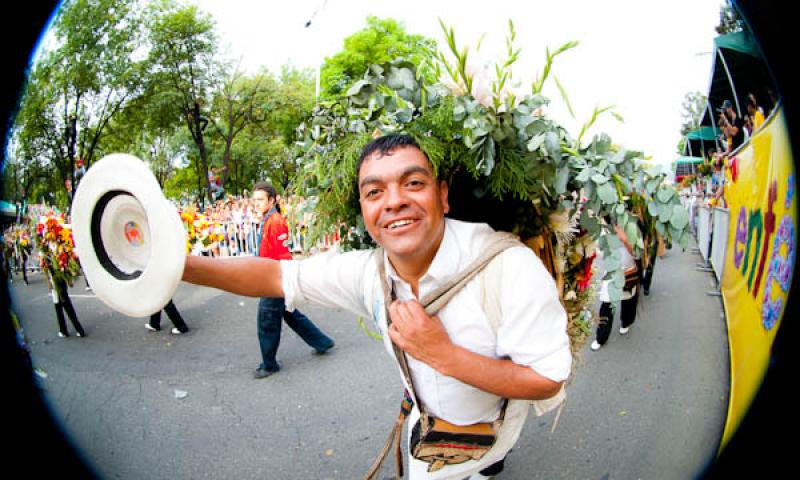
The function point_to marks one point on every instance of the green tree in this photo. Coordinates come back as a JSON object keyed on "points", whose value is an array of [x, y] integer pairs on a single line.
{"points": [[729, 19], [240, 102], [694, 104], [380, 41], [184, 70], [293, 102], [80, 84]]}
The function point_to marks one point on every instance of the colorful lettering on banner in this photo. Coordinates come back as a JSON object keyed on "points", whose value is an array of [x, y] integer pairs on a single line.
{"points": [[769, 226], [780, 270], [750, 252], [760, 258]]}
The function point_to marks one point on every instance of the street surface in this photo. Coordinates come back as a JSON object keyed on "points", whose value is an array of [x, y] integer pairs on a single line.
{"points": [[145, 405]]}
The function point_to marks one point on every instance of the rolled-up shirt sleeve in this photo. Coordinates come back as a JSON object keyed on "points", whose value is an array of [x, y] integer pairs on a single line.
{"points": [[331, 279], [533, 329]]}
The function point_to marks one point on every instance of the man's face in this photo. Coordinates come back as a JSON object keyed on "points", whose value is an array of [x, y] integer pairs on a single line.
{"points": [[262, 202], [403, 204]]}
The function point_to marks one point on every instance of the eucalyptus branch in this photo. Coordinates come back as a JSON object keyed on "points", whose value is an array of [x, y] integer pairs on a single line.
{"points": [[539, 82], [586, 126]]}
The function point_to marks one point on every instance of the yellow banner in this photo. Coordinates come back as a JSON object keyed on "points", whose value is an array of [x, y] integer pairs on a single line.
{"points": [[760, 193]]}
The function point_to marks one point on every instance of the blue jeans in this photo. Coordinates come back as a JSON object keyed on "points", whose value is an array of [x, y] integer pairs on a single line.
{"points": [[270, 313]]}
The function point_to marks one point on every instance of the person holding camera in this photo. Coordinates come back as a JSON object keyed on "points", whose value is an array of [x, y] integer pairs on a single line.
{"points": [[732, 124]]}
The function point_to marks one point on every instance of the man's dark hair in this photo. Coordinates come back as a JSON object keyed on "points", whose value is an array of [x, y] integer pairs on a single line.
{"points": [[385, 145], [267, 188]]}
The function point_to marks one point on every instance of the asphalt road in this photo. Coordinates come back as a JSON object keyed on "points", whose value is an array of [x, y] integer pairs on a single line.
{"points": [[144, 405]]}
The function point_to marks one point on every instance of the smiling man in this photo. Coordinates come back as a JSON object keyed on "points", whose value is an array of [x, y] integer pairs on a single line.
{"points": [[464, 369]]}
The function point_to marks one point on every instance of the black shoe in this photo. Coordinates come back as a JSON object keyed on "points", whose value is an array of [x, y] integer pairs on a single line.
{"points": [[646, 291], [323, 352], [263, 373]]}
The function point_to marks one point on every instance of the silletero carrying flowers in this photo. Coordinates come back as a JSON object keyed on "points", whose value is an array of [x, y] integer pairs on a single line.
{"points": [[507, 163], [57, 248]]}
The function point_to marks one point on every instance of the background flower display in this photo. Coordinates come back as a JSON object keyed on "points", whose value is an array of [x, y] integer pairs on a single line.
{"points": [[22, 237], [506, 162], [202, 232], [57, 248]]}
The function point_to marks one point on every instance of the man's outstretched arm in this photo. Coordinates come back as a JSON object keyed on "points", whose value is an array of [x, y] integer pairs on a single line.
{"points": [[249, 276]]}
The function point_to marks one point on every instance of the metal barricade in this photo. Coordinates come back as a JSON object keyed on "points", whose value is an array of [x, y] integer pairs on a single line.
{"points": [[719, 242], [704, 231]]}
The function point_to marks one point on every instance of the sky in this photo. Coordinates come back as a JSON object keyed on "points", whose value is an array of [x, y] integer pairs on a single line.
{"points": [[641, 57]]}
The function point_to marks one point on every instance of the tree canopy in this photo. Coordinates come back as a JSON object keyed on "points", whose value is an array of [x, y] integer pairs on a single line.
{"points": [[382, 40], [147, 78]]}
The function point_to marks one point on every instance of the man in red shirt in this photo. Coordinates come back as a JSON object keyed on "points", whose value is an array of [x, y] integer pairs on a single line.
{"points": [[273, 238]]}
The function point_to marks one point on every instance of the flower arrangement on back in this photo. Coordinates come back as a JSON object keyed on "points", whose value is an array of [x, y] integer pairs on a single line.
{"points": [[57, 248], [506, 162]]}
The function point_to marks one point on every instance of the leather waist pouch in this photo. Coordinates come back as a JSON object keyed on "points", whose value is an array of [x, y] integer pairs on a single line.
{"points": [[439, 443]]}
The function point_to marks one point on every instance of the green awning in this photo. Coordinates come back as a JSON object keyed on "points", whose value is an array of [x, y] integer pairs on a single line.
{"points": [[737, 54], [684, 166], [708, 134], [689, 160], [7, 207], [740, 42]]}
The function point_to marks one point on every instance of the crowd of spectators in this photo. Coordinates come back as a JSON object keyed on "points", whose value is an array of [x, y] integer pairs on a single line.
{"points": [[707, 188], [240, 222]]}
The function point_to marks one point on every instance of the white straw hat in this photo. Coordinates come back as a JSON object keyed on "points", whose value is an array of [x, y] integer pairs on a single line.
{"points": [[129, 239]]}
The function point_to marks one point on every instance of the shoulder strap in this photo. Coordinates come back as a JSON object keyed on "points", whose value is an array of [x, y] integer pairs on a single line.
{"points": [[497, 243], [433, 302], [491, 280], [437, 299]]}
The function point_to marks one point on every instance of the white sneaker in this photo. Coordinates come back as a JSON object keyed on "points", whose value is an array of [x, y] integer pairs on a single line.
{"points": [[175, 331], [61, 335], [150, 327], [595, 346], [624, 330], [478, 476]]}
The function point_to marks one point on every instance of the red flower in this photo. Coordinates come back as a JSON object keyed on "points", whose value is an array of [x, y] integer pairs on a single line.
{"points": [[734, 166], [586, 275]]}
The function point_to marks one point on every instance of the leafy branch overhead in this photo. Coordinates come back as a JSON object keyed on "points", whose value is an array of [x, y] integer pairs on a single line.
{"points": [[503, 142]]}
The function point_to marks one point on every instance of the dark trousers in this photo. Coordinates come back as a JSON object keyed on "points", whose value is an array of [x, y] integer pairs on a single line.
{"points": [[64, 304], [24, 262], [627, 316], [173, 314], [648, 274], [271, 312]]}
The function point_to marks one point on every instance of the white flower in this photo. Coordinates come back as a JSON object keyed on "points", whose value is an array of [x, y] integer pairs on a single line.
{"points": [[481, 85], [559, 222], [571, 295]]}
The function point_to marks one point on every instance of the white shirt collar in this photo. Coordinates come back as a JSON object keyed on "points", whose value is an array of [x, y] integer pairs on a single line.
{"points": [[444, 265]]}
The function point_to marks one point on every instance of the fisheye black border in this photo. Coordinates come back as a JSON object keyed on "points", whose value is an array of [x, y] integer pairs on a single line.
{"points": [[35, 443]]}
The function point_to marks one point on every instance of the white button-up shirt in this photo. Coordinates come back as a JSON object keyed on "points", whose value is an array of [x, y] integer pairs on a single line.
{"points": [[532, 331]]}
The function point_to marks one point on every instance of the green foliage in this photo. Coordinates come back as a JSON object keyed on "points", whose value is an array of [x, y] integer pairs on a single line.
{"points": [[694, 103], [502, 149], [77, 87], [182, 185], [381, 41]]}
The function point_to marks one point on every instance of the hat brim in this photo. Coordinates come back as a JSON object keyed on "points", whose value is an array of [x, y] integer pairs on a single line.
{"points": [[130, 240]]}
